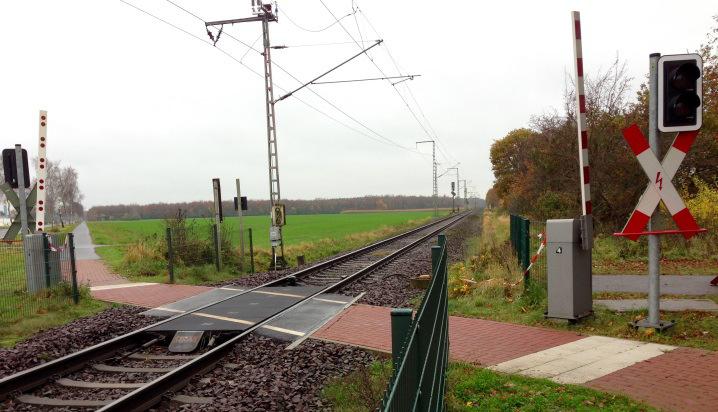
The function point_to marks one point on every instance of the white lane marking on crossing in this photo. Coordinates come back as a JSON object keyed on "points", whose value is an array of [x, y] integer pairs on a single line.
{"points": [[121, 286], [266, 292]]}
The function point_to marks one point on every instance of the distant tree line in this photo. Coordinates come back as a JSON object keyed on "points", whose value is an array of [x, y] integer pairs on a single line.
{"points": [[261, 207], [536, 168]]}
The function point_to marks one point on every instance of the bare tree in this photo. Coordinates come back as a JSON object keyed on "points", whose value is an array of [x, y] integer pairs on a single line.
{"points": [[63, 193], [606, 92]]}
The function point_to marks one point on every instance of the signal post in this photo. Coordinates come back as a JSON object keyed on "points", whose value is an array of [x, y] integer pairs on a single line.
{"points": [[675, 105]]}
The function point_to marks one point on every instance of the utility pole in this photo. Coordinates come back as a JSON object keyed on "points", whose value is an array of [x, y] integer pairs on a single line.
{"points": [[466, 198], [435, 182], [263, 13]]}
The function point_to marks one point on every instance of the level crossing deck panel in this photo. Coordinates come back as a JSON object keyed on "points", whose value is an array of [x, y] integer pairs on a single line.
{"points": [[240, 312]]}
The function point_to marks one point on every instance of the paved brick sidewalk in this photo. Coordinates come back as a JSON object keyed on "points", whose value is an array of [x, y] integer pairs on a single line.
{"points": [[478, 341], [685, 379], [148, 295], [96, 273], [670, 284], [670, 378]]}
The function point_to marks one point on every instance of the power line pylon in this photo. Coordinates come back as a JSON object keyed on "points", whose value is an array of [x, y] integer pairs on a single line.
{"points": [[435, 167], [263, 12]]}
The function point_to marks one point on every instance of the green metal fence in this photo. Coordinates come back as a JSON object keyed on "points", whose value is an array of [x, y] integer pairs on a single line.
{"points": [[525, 241], [420, 345], [194, 245], [37, 275]]}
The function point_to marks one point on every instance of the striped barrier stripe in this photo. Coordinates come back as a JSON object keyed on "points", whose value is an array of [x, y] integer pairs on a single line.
{"points": [[41, 174], [584, 168], [535, 257], [660, 186]]}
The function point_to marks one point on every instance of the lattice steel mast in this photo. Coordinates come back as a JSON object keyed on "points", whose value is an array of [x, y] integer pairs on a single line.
{"points": [[435, 182], [263, 12]]}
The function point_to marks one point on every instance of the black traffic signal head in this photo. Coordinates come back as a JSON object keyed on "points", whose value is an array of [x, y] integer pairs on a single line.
{"points": [[10, 168], [680, 93]]}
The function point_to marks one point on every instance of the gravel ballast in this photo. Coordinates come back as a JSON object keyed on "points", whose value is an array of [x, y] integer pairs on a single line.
{"points": [[260, 374], [78, 334]]}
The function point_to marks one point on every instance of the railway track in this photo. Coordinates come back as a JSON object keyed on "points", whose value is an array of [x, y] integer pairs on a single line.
{"points": [[134, 371]]}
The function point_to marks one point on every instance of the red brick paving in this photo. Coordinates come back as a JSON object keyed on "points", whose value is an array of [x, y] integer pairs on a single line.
{"points": [[96, 273], [685, 379], [478, 341], [486, 342], [149, 296]]}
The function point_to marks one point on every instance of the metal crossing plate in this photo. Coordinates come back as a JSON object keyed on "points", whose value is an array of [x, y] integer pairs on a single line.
{"points": [[243, 311]]}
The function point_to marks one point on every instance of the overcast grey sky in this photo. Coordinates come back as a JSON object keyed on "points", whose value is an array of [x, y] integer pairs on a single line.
{"points": [[147, 113]]}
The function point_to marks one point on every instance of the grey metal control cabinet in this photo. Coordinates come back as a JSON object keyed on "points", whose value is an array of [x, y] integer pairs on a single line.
{"points": [[569, 271]]}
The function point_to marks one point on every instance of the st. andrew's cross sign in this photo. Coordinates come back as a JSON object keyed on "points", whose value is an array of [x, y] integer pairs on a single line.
{"points": [[660, 186]]}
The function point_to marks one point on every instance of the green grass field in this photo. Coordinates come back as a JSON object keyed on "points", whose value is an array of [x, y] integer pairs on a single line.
{"points": [[299, 228], [135, 247]]}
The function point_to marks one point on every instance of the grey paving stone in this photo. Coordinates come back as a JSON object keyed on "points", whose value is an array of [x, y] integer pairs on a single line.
{"points": [[669, 305], [670, 284], [84, 248]]}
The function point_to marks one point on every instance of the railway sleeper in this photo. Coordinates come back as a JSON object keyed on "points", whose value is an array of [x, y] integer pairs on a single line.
{"points": [[95, 403]]}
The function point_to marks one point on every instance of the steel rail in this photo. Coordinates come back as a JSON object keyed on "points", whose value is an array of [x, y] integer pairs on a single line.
{"points": [[40, 374], [145, 397]]}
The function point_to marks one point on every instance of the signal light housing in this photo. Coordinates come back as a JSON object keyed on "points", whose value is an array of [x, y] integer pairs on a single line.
{"points": [[680, 93], [10, 168]]}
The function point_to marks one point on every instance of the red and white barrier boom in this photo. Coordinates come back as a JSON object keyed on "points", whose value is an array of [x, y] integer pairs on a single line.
{"points": [[582, 127], [581, 117], [41, 174]]}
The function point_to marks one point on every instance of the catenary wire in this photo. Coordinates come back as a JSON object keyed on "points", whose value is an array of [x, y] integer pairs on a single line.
{"points": [[381, 71], [333, 105], [284, 14], [408, 88], [319, 44], [379, 135], [256, 72]]}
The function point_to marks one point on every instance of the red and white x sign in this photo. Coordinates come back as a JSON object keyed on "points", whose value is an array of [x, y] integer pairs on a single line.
{"points": [[660, 186]]}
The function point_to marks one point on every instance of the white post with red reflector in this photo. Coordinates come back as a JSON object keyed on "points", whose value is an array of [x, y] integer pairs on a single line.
{"points": [[41, 190], [582, 127]]}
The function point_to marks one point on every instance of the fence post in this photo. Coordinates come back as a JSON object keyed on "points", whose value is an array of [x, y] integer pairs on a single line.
{"points": [[512, 231], [525, 247], [441, 240], [251, 251], [73, 268], [217, 257], [442, 353], [170, 255], [400, 322], [46, 258]]}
